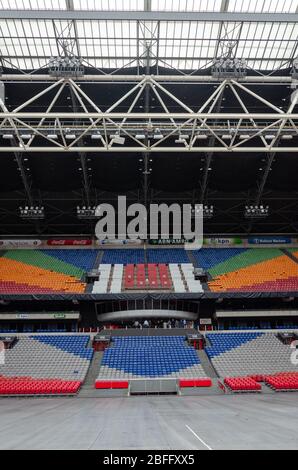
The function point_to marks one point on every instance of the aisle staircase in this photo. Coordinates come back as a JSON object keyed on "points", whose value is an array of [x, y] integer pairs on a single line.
{"points": [[87, 389], [206, 363]]}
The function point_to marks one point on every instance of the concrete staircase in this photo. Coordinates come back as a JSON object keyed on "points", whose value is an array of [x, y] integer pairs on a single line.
{"points": [[210, 372], [290, 255], [87, 389], [206, 364], [191, 258], [98, 259]]}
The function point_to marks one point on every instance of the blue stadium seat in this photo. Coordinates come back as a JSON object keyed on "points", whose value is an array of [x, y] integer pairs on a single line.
{"points": [[150, 356], [206, 258], [76, 345], [174, 255], [84, 258], [127, 256], [223, 342]]}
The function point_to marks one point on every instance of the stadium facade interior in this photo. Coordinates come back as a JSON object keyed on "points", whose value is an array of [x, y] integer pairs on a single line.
{"points": [[186, 102]]}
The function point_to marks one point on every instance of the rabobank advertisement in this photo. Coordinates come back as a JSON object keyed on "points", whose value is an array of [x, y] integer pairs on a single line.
{"points": [[269, 240]]}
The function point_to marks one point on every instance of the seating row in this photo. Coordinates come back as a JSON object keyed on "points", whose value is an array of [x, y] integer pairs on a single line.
{"points": [[242, 384], [284, 381], [150, 276], [41, 363], [248, 353], [30, 386], [101, 286], [278, 382], [150, 356]]}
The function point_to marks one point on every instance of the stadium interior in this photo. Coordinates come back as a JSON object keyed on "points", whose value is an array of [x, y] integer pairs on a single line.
{"points": [[163, 102]]}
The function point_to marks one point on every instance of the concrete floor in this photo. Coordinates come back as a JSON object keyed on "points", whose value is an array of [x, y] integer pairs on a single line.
{"points": [[165, 422]]}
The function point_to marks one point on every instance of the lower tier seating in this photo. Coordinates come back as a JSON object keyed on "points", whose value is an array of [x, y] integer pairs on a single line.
{"points": [[244, 384], [29, 386], [44, 364], [241, 354], [150, 356], [283, 381]]}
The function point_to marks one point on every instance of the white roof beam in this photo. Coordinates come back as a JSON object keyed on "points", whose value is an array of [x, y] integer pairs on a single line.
{"points": [[148, 16]]}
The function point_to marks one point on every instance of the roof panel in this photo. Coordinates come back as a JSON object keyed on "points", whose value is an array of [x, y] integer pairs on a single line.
{"points": [[32, 4], [184, 41], [263, 6], [109, 5], [186, 5], [247, 6]]}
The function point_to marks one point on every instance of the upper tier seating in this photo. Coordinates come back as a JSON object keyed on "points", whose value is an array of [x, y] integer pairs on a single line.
{"points": [[177, 278], [147, 276], [36, 271], [167, 255], [149, 356], [239, 354], [83, 259], [137, 256], [123, 256], [101, 286], [45, 361], [294, 252], [116, 284], [59, 271], [183, 278], [208, 258], [193, 285], [255, 270]]}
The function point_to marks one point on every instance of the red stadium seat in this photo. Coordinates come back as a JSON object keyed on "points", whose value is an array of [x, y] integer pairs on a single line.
{"points": [[283, 381], [30, 386], [242, 384], [201, 382], [111, 384]]}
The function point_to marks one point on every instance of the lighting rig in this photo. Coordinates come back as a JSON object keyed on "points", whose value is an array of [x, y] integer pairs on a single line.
{"points": [[32, 212], [208, 211], [226, 67], [69, 66], [87, 212], [294, 70], [256, 211]]}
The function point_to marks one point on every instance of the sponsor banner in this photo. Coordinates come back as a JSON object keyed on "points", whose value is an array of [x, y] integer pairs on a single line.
{"points": [[40, 316], [269, 240], [20, 243], [69, 242], [222, 241], [205, 321], [169, 241], [118, 242], [23, 315]]}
